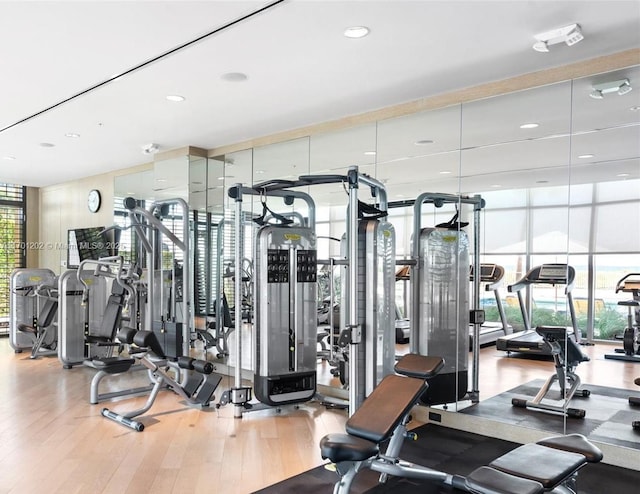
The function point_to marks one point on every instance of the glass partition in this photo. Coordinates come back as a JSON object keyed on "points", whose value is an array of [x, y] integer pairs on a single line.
{"points": [[558, 173]]}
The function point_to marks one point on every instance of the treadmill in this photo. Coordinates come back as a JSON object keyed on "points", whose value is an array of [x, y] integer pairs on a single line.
{"points": [[491, 276], [529, 341]]}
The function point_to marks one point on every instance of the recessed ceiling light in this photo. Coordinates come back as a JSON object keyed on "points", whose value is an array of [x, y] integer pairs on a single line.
{"points": [[220, 178], [623, 174], [531, 125], [46, 145], [72, 135], [496, 186], [634, 108], [423, 142], [370, 153], [356, 32], [161, 179], [234, 77], [10, 158], [586, 156], [445, 172], [259, 172], [175, 97]]}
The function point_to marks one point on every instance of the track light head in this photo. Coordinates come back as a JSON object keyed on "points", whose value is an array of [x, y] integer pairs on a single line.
{"points": [[621, 87], [569, 35], [151, 148]]}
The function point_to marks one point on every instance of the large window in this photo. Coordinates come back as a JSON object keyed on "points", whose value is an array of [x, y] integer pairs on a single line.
{"points": [[12, 242]]}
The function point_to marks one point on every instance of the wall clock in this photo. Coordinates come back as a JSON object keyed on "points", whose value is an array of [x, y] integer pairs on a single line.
{"points": [[93, 200]]}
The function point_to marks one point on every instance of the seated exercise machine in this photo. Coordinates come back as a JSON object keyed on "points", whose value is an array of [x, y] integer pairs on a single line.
{"points": [[198, 389], [43, 330], [566, 356], [550, 465], [630, 350], [33, 311], [218, 328], [529, 341]]}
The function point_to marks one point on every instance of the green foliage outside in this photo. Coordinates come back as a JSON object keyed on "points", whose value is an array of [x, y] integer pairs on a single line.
{"points": [[9, 241], [608, 322]]}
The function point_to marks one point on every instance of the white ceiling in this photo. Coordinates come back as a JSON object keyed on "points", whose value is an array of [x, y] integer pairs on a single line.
{"points": [[301, 70]]}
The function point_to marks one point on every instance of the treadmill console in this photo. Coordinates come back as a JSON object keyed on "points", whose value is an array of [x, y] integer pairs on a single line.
{"points": [[551, 273]]}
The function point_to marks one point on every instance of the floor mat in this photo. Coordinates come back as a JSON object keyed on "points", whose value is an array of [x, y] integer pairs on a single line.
{"points": [[608, 413], [454, 452]]}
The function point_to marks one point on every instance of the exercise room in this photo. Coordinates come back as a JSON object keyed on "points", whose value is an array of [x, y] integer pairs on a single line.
{"points": [[393, 249]]}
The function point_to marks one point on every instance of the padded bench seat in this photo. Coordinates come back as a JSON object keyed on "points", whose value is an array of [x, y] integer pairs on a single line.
{"points": [[533, 468], [535, 462], [111, 365], [491, 481]]}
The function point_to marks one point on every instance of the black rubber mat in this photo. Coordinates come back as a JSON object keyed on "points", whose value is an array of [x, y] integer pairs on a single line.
{"points": [[454, 452], [608, 413]]}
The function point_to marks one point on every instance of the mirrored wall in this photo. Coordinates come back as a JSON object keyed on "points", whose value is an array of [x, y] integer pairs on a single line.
{"points": [[558, 169]]}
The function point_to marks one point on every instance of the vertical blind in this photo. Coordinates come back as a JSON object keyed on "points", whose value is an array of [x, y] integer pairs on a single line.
{"points": [[12, 242]]}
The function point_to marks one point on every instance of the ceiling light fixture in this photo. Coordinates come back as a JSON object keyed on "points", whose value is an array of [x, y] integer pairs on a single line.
{"points": [[175, 97], [370, 153], [531, 125], [72, 135], [9, 158], [634, 108], [151, 148], [621, 87], [586, 156], [570, 35], [355, 32]]}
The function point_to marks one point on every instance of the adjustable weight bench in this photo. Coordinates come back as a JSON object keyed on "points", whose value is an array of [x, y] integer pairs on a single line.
{"points": [[566, 357], [550, 465]]}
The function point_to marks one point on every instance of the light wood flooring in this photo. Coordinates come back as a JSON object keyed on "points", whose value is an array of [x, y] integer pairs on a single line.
{"points": [[52, 440]]}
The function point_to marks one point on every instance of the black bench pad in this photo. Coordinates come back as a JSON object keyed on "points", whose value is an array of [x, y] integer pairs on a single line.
{"points": [[420, 366], [383, 410], [344, 447], [575, 443], [112, 365], [27, 329], [548, 466], [491, 481]]}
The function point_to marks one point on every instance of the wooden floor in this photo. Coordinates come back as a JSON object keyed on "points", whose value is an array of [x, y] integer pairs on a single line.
{"points": [[52, 440]]}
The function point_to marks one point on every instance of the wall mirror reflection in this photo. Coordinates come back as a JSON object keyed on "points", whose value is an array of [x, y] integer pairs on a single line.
{"points": [[558, 174]]}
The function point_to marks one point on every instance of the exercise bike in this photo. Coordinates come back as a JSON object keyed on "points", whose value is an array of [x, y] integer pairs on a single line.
{"points": [[630, 350]]}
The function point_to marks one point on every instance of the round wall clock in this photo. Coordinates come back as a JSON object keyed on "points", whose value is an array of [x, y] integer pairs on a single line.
{"points": [[93, 200]]}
